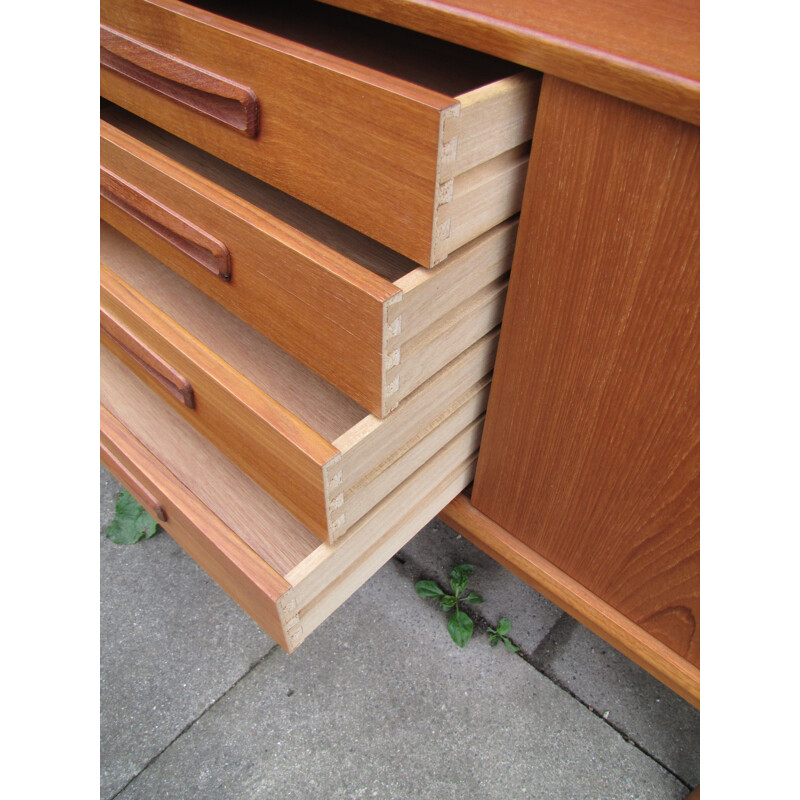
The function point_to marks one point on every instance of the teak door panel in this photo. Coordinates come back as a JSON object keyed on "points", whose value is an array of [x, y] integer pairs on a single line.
{"points": [[591, 451]]}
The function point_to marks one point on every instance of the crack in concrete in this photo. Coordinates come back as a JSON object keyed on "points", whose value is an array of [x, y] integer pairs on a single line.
{"points": [[191, 724], [482, 624]]}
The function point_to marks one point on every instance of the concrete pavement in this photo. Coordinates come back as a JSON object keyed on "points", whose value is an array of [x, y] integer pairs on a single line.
{"points": [[197, 702]]}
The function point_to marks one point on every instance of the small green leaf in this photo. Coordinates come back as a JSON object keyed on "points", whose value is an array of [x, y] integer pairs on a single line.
{"points": [[503, 627], [472, 597], [493, 640], [459, 576], [460, 628], [427, 589], [512, 648], [131, 522], [448, 601]]}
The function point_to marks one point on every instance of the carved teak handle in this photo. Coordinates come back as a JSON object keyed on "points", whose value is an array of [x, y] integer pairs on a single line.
{"points": [[203, 248], [142, 495], [224, 100], [171, 380]]}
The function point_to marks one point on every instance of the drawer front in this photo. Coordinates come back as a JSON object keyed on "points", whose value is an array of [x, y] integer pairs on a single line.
{"points": [[316, 304], [372, 150], [281, 454], [374, 339], [274, 568], [316, 452], [248, 579]]}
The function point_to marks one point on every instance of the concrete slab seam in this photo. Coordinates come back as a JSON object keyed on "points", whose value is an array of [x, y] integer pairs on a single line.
{"points": [[191, 724], [482, 624]]}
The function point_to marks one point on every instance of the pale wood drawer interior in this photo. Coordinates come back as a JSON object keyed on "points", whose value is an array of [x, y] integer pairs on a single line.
{"points": [[413, 141], [367, 319], [276, 569], [315, 450]]}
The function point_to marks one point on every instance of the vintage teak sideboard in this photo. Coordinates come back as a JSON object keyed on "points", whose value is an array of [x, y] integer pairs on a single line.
{"points": [[310, 211]]}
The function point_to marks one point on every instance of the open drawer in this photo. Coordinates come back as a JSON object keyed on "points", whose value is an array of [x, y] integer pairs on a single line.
{"points": [[318, 453], [276, 569], [415, 142], [367, 319]]}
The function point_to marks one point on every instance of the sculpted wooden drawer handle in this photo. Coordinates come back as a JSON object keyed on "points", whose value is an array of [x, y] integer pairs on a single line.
{"points": [[167, 377], [153, 507], [198, 245], [221, 99]]}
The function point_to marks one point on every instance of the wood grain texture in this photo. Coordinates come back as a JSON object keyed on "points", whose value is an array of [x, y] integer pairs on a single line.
{"points": [[276, 569], [591, 450], [159, 370], [324, 458], [328, 122], [331, 574], [124, 475], [314, 302], [228, 492], [281, 453], [567, 593], [644, 51], [199, 246], [348, 308], [316, 403], [216, 97], [251, 582]]}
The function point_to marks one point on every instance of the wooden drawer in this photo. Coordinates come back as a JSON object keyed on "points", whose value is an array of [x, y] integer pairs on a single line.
{"points": [[412, 141], [312, 448], [368, 320], [276, 569]]}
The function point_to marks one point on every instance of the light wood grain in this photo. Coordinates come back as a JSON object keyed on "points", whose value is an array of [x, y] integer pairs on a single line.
{"points": [[331, 574], [269, 563], [223, 487], [590, 610], [317, 452], [644, 51], [380, 135], [477, 200], [280, 452], [247, 578], [492, 119], [426, 354], [591, 450], [336, 306]]}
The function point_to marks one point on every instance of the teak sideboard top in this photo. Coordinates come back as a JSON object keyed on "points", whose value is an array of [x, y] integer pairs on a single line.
{"points": [[644, 51]]}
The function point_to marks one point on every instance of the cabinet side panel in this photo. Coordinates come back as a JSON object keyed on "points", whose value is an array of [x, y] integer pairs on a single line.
{"points": [[591, 450]]}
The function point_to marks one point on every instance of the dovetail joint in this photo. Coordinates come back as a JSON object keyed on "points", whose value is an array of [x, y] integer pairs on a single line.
{"points": [[392, 360], [295, 635], [445, 192], [336, 480], [337, 523], [443, 231], [449, 150], [336, 502], [394, 328], [287, 604], [392, 387]]}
